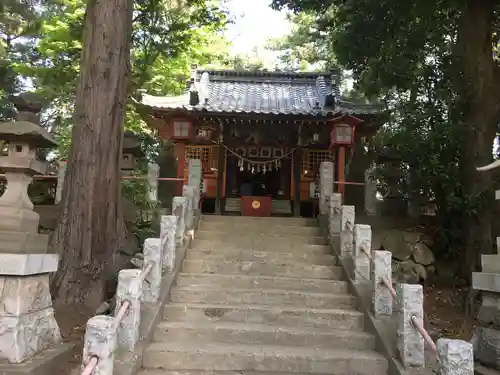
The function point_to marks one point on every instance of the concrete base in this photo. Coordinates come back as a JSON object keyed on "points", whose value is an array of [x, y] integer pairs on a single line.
{"points": [[45, 363]]}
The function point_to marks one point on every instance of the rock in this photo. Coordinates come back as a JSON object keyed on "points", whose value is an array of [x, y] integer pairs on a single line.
{"points": [[405, 272], [394, 242], [422, 254], [487, 349], [420, 272]]}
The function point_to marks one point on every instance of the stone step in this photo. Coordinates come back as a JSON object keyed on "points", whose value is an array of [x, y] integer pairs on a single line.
{"points": [[255, 255], [256, 240], [262, 268], [225, 357], [244, 220], [276, 315], [263, 282], [263, 246], [262, 297], [262, 334], [236, 227]]}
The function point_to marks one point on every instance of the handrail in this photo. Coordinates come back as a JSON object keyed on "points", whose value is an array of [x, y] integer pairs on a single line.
{"points": [[424, 333], [414, 320], [94, 361]]}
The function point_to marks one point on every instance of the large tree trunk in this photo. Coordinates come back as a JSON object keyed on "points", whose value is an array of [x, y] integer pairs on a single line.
{"points": [[90, 228], [481, 116]]}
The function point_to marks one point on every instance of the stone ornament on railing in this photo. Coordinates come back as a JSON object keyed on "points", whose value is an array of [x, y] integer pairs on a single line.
{"points": [[129, 289], [168, 229], [180, 204], [100, 344], [153, 174], [347, 233], [152, 255], [456, 357], [335, 214], [362, 244], [189, 192], [410, 342], [381, 269], [326, 179]]}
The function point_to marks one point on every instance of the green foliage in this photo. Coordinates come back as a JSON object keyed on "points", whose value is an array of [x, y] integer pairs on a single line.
{"points": [[407, 54]]}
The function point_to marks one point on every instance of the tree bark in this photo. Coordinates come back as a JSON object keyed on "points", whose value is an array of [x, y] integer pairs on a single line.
{"points": [[481, 117], [90, 228]]}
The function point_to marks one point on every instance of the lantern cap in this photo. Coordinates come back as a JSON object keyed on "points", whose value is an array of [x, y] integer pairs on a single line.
{"points": [[27, 132]]}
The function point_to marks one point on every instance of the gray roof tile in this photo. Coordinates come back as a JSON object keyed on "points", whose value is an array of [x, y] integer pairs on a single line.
{"points": [[260, 93]]}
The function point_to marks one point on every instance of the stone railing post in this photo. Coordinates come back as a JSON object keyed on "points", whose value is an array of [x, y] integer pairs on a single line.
{"points": [[347, 231], [152, 282], [181, 223], [335, 214], [189, 192], [409, 341], [153, 173], [61, 175], [100, 342], [362, 243], [326, 172], [129, 289], [168, 229], [381, 269], [455, 357], [195, 179]]}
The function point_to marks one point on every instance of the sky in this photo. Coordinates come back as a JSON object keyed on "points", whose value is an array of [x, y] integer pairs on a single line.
{"points": [[255, 23]]}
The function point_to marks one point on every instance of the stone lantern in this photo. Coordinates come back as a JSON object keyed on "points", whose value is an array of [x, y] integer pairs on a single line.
{"points": [[131, 152], [26, 313]]}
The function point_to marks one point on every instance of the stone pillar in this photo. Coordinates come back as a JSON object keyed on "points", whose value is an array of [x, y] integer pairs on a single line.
{"points": [[61, 174], [100, 342], [381, 268], [410, 342], [179, 205], [335, 214], [370, 192], [129, 289], [189, 192], [27, 316], [347, 231], [326, 178], [455, 357], [168, 229], [196, 179], [153, 173], [361, 262], [152, 280]]}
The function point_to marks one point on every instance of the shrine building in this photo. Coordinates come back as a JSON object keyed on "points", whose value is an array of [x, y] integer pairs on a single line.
{"points": [[261, 136]]}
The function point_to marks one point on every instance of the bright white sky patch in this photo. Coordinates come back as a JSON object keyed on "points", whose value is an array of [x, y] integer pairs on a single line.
{"points": [[255, 23]]}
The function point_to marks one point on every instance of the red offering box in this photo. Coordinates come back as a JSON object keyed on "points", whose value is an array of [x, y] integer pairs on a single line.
{"points": [[256, 206]]}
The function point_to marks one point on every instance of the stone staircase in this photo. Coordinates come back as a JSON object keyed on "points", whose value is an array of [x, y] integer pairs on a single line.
{"points": [[261, 296]]}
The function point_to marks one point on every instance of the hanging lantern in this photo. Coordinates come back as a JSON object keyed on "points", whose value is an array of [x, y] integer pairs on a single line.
{"points": [[316, 137], [343, 130], [181, 129]]}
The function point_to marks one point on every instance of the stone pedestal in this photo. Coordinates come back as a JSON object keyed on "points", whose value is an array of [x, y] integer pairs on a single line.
{"points": [[26, 313]]}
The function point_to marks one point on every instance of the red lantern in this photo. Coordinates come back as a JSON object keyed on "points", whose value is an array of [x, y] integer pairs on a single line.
{"points": [[181, 129]]}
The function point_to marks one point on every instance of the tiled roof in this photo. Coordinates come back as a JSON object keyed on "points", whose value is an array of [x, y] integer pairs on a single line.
{"points": [[261, 93]]}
